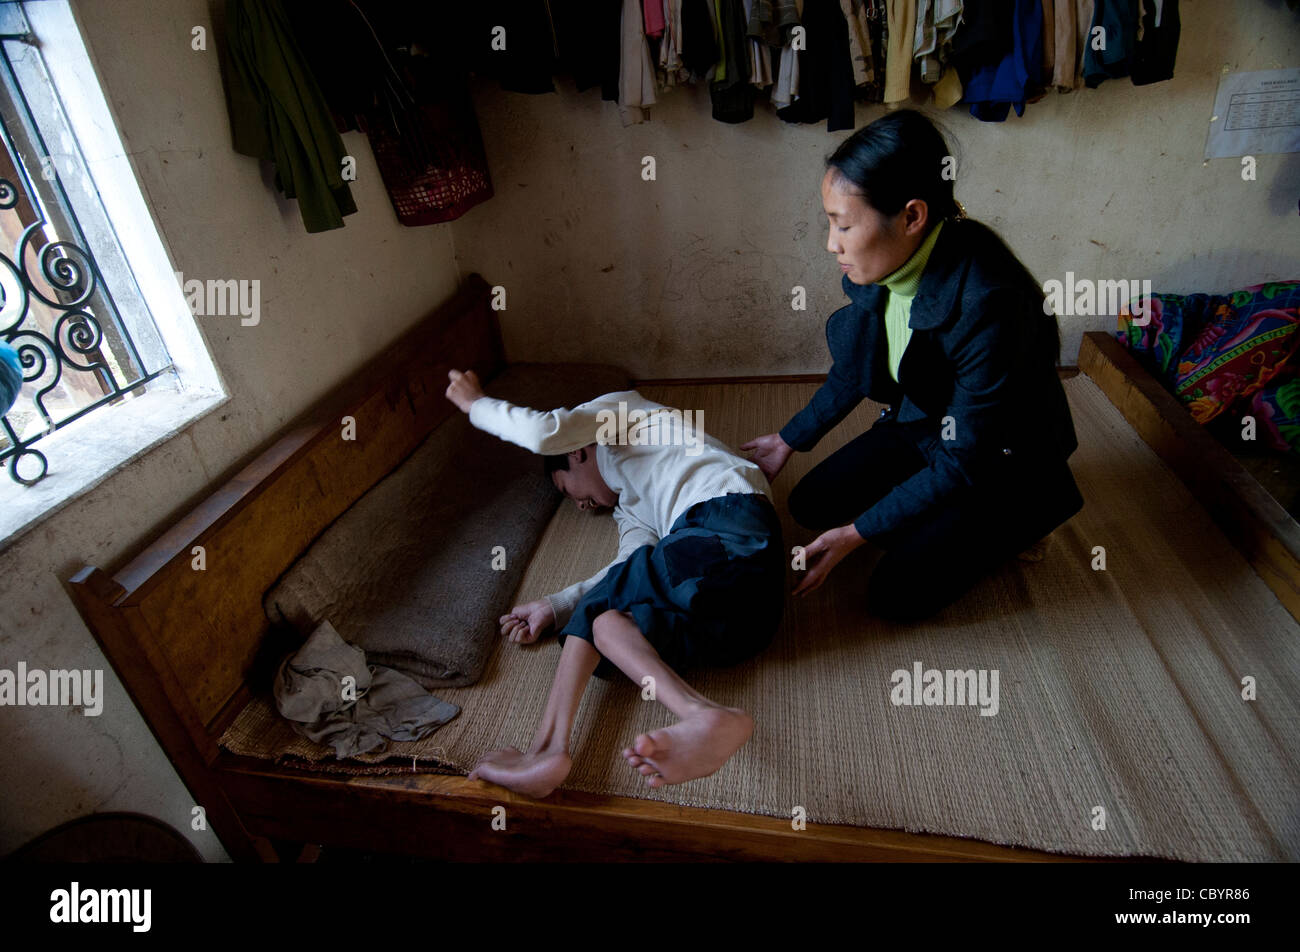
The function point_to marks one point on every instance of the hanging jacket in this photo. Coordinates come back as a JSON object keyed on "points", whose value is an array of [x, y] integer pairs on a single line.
{"points": [[415, 109], [588, 34], [825, 69], [1064, 37], [1154, 54], [993, 88], [898, 50], [936, 22], [636, 86], [772, 20], [277, 112], [865, 19], [670, 46], [699, 44], [522, 58], [1119, 18], [732, 95], [984, 36], [878, 24]]}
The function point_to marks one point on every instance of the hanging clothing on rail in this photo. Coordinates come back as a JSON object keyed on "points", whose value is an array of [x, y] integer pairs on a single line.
{"points": [[381, 78], [868, 69], [1084, 13], [878, 26], [993, 88], [984, 36], [588, 36], [825, 69], [652, 15], [1119, 20], [513, 43], [278, 112], [1049, 40], [731, 91], [785, 91], [936, 22], [636, 87], [1157, 47], [898, 53], [772, 21], [527, 64], [771, 25], [1064, 38], [672, 67], [700, 51], [761, 74], [855, 13], [948, 90], [1083, 20]]}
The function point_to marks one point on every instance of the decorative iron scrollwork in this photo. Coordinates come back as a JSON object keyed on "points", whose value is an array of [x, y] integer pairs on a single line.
{"points": [[56, 310], [75, 344]]}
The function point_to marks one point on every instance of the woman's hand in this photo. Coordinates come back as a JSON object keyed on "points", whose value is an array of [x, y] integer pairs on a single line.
{"points": [[464, 388], [526, 622], [825, 552], [770, 453]]}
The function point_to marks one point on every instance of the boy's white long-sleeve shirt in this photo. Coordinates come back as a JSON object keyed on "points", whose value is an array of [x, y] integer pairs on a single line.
{"points": [[660, 463]]}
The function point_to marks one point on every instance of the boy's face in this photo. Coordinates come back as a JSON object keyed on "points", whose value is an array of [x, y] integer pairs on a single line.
{"points": [[582, 482]]}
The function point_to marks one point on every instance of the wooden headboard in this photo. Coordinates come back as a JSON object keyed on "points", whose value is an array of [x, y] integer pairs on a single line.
{"points": [[183, 640]]}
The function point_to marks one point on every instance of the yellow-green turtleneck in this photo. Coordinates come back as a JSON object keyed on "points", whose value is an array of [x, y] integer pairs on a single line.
{"points": [[903, 285]]}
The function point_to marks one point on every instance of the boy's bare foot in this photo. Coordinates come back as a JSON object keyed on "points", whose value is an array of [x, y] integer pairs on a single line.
{"points": [[695, 746], [535, 774]]}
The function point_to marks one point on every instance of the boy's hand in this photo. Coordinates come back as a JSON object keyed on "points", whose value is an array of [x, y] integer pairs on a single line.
{"points": [[526, 622], [770, 453], [464, 388]]}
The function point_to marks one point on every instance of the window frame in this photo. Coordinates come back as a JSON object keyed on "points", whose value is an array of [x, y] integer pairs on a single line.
{"points": [[88, 450]]}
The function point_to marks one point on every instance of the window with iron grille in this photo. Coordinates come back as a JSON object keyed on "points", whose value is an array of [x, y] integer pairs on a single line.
{"points": [[71, 308], [113, 362]]}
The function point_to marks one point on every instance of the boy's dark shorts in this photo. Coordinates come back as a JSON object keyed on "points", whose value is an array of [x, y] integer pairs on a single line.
{"points": [[709, 594]]}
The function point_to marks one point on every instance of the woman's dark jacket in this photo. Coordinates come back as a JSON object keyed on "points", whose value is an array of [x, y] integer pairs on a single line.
{"points": [[983, 353]]}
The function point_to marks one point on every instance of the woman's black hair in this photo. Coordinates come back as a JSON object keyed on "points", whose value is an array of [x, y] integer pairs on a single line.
{"points": [[899, 157], [554, 464]]}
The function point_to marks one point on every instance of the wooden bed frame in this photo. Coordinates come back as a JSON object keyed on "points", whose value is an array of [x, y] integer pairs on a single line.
{"points": [[183, 642], [1253, 520]]}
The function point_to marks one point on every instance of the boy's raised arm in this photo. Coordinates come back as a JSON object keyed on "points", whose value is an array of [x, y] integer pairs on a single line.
{"points": [[550, 432]]}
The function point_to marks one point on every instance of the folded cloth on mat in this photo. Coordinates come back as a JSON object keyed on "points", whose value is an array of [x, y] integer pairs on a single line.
{"points": [[353, 719], [418, 570]]}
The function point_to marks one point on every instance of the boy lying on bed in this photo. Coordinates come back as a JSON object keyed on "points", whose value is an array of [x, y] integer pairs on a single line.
{"points": [[699, 578]]}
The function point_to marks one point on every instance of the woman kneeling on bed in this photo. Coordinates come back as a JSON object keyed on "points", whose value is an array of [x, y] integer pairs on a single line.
{"points": [[698, 580]]}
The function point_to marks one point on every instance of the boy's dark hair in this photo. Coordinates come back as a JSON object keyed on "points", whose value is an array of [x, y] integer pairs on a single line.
{"points": [[897, 158], [553, 464]]}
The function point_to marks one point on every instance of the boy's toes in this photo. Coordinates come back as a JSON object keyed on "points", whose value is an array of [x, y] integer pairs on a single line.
{"points": [[646, 745]]}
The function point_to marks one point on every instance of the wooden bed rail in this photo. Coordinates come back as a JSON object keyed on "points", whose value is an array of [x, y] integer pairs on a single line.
{"points": [[182, 638], [1253, 520]]}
